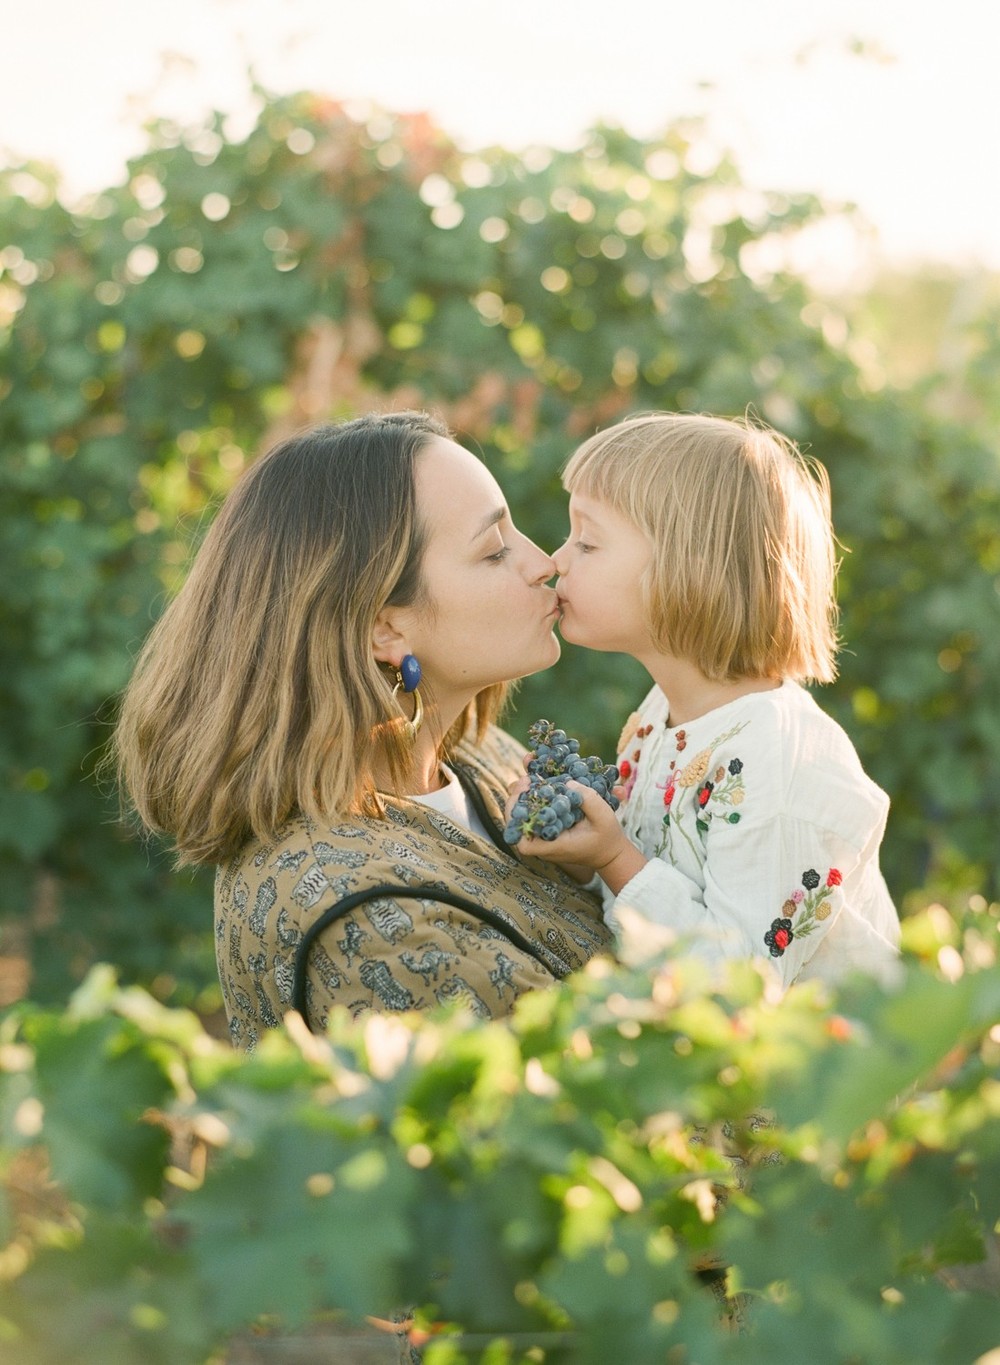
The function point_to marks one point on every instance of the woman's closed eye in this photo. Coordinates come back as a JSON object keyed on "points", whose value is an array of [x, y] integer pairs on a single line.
{"points": [[499, 556]]}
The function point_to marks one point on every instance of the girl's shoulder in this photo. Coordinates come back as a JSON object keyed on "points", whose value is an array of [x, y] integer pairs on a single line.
{"points": [[651, 711], [822, 779], [783, 756]]}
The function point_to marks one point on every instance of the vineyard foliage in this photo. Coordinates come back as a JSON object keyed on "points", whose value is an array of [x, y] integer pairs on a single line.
{"points": [[553, 1182], [158, 336]]}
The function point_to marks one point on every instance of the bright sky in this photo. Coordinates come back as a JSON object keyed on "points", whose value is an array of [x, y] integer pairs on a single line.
{"points": [[911, 133]]}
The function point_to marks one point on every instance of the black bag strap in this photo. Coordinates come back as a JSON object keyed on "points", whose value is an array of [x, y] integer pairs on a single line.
{"points": [[346, 904], [475, 796]]}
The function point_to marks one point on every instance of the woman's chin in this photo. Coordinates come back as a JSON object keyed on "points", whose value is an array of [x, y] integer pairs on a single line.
{"points": [[550, 655]]}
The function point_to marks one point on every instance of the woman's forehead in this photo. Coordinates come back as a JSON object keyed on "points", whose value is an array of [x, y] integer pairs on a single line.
{"points": [[453, 486]]}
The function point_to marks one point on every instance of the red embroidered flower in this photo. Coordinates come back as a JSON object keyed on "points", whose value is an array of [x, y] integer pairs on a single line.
{"points": [[625, 770], [779, 936], [704, 792], [668, 793], [834, 878]]}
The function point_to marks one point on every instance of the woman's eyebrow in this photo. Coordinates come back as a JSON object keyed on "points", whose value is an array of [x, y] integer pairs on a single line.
{"points": [[491, 520]]}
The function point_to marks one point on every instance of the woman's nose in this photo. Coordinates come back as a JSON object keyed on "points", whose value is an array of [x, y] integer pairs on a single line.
{"points": [[541, 566]]}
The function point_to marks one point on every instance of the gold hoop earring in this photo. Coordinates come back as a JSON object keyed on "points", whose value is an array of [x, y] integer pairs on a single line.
{"points": [[407, 678], [412, 726]]}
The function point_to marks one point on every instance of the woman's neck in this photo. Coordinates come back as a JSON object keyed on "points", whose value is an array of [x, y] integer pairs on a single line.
{"points": [[425, 771], [691, 694]]}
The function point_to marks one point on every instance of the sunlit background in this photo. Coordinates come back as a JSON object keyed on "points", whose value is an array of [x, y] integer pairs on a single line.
{"points": [[891, 106]]}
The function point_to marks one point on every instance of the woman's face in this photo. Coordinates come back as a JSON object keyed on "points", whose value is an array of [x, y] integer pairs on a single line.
{"points": [[486, 615]]}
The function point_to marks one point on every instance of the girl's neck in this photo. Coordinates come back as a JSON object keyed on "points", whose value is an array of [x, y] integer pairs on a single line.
{"points": [[692, 695]]}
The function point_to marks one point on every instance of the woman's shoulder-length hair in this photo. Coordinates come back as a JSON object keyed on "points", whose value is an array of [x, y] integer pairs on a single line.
{"points": [[256, 694]]}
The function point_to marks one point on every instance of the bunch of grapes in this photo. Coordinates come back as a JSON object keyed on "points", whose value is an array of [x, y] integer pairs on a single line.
{"points": [[548, 807]]}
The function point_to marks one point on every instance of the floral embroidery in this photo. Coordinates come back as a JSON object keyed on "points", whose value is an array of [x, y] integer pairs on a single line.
{"points": [[710, 794], [696, 769], [779, 936], [628, 768], [725, 788], [629, 730], [810, 907]]}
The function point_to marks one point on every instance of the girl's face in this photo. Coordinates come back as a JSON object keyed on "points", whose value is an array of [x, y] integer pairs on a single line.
{"points": [[486, 615], [601, 568]]}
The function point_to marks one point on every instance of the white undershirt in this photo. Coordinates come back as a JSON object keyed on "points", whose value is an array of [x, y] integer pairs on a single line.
{"points": [[452, 801]]}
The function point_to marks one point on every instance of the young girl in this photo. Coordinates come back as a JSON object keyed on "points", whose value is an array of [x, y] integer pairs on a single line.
{"points": [[703, 548]]}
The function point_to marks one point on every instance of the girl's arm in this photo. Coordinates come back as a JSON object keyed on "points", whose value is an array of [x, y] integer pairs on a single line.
{"points": [[779, 887]]}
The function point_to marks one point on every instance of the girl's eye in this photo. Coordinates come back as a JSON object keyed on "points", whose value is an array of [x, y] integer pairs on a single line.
{"points": [[499, 556], [583, 547]]}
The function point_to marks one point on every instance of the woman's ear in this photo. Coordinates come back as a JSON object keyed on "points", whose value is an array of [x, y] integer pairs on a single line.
{"points": [[388, 643]]}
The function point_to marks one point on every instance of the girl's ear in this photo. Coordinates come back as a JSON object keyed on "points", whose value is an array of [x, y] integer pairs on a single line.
{"points": [[388, 642]]}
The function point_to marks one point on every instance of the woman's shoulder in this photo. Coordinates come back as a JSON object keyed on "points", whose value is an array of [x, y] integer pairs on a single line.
{"points": [[291, 867]]}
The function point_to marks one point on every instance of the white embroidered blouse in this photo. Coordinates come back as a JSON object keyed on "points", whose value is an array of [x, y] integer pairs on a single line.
{"points": [[763, 835]]}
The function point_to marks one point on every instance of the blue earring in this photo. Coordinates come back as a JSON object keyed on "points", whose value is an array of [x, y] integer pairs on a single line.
{"points": [[408, 678], [408, 673]]}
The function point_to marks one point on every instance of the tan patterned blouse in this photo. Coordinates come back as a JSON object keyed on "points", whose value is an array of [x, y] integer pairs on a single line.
{"points": [[517, 926]]}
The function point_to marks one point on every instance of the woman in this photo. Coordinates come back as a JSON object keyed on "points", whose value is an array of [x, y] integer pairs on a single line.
{"points": [[314, 713]]}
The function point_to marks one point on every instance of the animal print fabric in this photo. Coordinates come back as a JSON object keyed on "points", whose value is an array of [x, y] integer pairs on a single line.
{"points": [[396, 955]]}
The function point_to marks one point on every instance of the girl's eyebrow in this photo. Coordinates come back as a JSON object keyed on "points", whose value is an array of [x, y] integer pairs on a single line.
{"points": [[491, 520]]}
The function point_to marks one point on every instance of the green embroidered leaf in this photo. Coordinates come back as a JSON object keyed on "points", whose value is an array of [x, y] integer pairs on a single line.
{"points": [[701, 824], [734, 818]]}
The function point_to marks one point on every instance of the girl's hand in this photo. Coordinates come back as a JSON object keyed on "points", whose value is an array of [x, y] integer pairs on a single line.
{"points": [[597, 842], [577, 871]]}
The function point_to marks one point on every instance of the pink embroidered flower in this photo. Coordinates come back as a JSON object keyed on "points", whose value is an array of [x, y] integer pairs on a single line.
{"points": [[834, 878], [797, 896]]}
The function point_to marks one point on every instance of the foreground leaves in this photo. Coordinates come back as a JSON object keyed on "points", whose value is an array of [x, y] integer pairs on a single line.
{"points": [[571, 1177]]}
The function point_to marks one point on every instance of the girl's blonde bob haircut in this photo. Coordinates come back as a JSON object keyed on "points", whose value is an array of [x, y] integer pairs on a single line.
{"points": [[257, 695], [741, 579]]}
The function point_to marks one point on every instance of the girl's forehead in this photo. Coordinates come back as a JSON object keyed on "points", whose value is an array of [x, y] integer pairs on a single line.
{"points": [[587, 505]]}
